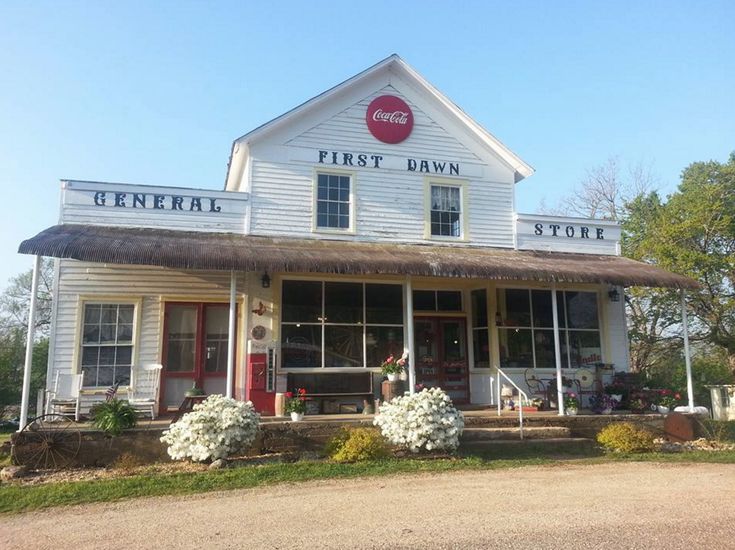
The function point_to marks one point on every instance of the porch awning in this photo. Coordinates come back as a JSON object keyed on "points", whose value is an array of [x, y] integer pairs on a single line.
{"points": [[227, 251]]}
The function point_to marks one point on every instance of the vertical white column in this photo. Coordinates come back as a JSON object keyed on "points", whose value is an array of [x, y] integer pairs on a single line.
{"points": [[231, 334], [687, 353], [409, 332], [30, 337], [557, 351]]}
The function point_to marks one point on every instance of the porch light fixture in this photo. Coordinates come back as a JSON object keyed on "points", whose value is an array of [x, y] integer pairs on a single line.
{"points": [[614, 295], [265, 280]]}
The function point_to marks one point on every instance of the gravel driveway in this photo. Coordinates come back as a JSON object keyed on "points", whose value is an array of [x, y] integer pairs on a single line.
{"points": [[616, 506]]}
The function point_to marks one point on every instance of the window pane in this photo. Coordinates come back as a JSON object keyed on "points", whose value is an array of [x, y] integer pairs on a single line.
{"points": [[215, 346], [125, 314], [90, 376], [301, 346], [384, 304], [479, 308], [382, 342], [449, 300], [544, 347], [581, 309], [514, 307], [454, 335], [515, 348], [123, 355], [343, 346], [302, 301], [343, 302], [122, 375], [542, 314], [105, 376], [91, 334], [481, 345], [108, 314], [424, 300], [90, 356], [107, 355], [585, 348], [92, 313], [124, 333], [181, 323]]}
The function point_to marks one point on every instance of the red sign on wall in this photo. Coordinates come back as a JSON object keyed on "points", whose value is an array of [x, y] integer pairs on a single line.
{"points": [[389, 119]]}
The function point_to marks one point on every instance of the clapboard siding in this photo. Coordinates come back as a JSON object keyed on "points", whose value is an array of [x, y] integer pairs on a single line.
{"points": [[390, 202], [617, 333], [150, 285]]}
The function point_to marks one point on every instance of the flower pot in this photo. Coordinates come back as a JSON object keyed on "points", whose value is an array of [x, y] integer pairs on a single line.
{"points": [[393, 377], [606, 411], [662, 410], [617, 397], [572, 412], [297, 417]]}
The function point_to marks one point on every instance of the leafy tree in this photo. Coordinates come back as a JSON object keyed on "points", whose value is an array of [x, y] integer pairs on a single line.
{"points": [[693, 233]]}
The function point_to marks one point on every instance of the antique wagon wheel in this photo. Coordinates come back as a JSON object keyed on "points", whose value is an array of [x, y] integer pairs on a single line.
{"points": [[49, 441]]}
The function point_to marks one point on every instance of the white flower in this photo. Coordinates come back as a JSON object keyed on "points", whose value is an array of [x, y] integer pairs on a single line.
{"points": [[426, 420], [215, 428]]}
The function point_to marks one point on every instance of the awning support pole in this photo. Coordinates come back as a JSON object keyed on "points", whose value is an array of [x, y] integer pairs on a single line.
{"points": [[557, 352], [409, 322], [231, 334], [30, 337], [687, 353]]}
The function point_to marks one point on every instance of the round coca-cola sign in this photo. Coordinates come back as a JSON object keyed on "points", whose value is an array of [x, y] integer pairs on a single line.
{"points": [[389, 119]]}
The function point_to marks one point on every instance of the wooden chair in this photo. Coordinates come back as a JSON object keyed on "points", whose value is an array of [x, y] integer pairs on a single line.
{"points": [[65, 397], [536, 386], [143, 392]]}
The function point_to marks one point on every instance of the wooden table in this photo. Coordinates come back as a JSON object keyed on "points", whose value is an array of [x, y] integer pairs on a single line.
{"points": [[187, 405]]}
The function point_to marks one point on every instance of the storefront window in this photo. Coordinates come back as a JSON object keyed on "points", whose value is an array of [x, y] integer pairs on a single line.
{"points": [[340, 325], [525, 328], [107, 344]]}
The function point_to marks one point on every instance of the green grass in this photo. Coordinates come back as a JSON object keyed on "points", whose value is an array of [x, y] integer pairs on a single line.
{"points": [[17, 498]]}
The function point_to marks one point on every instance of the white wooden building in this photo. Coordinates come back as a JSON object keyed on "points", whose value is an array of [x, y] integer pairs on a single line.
{"points": [[375, 218]]}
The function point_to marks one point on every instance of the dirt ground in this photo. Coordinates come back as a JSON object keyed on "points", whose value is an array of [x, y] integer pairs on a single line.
{"points": [[627, 505]]}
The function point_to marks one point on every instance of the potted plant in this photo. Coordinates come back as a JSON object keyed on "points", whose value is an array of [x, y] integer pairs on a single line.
{"points": [[113, 416], [392, 367], [194, 391], [667, 401], [296, 404], [638, 404], [603, 403], [571, 403]]}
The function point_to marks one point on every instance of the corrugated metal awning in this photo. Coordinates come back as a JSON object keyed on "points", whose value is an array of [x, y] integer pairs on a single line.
{"points": [[227, 251]]}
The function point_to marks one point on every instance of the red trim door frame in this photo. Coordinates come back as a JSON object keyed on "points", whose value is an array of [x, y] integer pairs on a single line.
{"points": [[199, 373]]}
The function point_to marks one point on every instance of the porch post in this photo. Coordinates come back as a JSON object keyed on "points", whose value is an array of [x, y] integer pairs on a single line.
{"points": [[557, 351], [231, 334], [30, 337], [687, 354], [409, 335]]}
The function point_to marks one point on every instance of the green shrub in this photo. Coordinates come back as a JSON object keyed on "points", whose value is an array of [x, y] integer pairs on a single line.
{"points": [[625, 437], [113, 416], [722, 431], [356, 445]]}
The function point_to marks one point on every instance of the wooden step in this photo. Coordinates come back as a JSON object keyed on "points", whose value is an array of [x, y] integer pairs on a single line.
{"points": [[529, 432]]}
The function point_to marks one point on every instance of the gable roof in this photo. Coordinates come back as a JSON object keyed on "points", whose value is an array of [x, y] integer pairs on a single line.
{"points": [[395, 64]]}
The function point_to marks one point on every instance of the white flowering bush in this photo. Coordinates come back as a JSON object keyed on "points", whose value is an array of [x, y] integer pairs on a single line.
{"points": [[216, 428], [426, 420]]}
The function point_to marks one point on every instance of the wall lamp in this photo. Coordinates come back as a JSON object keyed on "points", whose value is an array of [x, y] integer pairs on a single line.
{"points": [[614, 295], [265, 280]]}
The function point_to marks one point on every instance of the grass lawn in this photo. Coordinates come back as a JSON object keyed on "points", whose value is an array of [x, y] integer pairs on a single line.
{"points": [[17, 498]]}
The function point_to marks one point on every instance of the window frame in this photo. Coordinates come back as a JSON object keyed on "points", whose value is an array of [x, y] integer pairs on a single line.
{"points": [[84, 301], [462, 185], [315, 227], [325, 323], [564, 330]]}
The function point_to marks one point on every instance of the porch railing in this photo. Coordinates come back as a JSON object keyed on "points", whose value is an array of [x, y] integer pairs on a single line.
{"points": [[521, 396]]}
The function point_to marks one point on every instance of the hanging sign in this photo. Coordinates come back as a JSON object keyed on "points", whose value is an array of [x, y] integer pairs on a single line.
{"points": [[389, 119]]}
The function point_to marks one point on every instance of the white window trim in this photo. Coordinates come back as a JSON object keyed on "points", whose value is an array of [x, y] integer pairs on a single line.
{"points": [[463, 186], [351, 230], [82, 301]]}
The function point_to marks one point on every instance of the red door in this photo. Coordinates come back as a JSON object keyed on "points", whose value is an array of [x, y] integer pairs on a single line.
{"points": [[194, 350], [441, 355]]}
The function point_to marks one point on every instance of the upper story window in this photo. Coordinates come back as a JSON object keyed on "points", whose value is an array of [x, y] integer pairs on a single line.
{"points": [[446, 211], [333, 202]]}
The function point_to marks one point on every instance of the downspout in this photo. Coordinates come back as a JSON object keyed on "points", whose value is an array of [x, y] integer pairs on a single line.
{"points": [[409, 322]]}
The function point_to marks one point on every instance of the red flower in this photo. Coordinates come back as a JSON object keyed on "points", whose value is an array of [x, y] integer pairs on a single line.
{"points": [[677, 396], [289, 394], [302, 391]]}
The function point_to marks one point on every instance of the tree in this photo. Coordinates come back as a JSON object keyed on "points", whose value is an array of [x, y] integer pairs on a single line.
{"points": [[14, 302], [693, 233]]}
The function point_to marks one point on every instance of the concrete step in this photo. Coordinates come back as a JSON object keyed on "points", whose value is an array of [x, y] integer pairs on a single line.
{"points": [[564, 445], [529, 432]]}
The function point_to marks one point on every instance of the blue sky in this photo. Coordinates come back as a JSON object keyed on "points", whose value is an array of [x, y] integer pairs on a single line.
{"points": [[155, 92]]}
